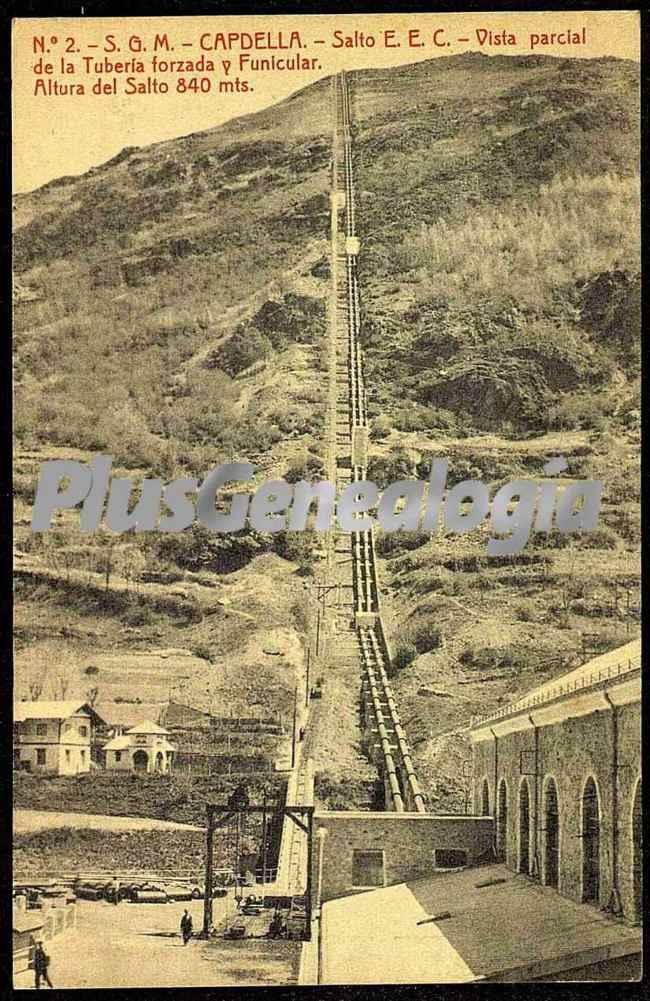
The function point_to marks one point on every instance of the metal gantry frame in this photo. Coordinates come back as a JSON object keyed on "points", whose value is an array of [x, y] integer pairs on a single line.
{"points": [[218, 815]]}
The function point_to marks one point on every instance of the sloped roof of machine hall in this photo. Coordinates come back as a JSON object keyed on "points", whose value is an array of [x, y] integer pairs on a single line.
{"points": [[611, 667]]}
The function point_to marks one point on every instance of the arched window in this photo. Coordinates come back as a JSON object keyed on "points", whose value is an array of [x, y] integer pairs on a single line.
{"points": [[524, 828], [590, 843], [552, 834], [502, 821], [485, 799], [637, 855]]}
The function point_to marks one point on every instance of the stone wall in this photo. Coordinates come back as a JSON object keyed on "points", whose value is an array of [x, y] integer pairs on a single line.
{"points": [[408, 842], [569, 752]]}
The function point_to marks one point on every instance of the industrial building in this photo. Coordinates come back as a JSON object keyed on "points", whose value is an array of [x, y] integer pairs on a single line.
{"points": [[560, 772], [544, 877]]}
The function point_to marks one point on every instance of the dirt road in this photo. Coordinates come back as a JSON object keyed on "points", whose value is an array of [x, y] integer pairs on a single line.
{"points": [[138, 945]]}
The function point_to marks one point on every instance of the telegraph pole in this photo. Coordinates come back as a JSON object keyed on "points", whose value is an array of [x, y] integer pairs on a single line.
{"points": [[293, 731], [207, 898], [307, 677], [264, 837]]}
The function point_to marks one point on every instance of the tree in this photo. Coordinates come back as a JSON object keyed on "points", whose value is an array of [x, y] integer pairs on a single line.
{"points": [[35, 688], [63, 678], [106, 562], [35, 671], [133, 563], [92, 695]]}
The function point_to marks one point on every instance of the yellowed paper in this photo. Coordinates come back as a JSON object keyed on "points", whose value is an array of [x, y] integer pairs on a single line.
{"points": [[326, 381]]}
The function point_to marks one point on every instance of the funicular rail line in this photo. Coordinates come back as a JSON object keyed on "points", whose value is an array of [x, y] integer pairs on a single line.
{"points": [[388, 744], [361, 641]]}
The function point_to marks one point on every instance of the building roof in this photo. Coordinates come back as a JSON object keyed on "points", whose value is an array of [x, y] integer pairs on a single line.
{"points": [[118, 744], [26, 920], [483, 923], [128, 714], [147, 726], [56, 709], [124, 743], [177, 714], [614, 664]]}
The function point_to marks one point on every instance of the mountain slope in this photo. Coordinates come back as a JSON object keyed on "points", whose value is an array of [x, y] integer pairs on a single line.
{"points": [[171, 311], [167, 314], [499, 221]]}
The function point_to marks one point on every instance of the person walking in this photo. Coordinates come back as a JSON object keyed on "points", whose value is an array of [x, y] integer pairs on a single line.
{"points": [[186, 926], [114, 891], [41, 965]]}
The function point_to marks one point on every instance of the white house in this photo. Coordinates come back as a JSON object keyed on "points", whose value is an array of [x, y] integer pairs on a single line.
{"points": [[142, 748], [54, 737]]}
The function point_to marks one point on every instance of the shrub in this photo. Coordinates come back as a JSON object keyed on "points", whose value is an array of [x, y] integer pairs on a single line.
{"points": [[308, 468], [246, 347], [391, 543], [294, 318], [598, 538], [578, 410], [488, 658], [426, 636], [404, 655], [418, 417], [526, 612], [384, 470], [532, 247], [138, 615], [381, 428], [297, 547]]}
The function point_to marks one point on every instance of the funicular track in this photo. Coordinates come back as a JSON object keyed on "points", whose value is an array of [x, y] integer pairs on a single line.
{"points": [[386, 739]]}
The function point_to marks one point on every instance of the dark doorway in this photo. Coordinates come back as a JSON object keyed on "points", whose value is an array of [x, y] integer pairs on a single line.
{"points": [[637, 855], [485, 799], [524, 828], [590, 843], [552, 840], [140, 761], [502, 821], [368, 868]]}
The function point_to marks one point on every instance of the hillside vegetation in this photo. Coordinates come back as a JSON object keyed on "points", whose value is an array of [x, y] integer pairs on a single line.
{"points": [[501, 292], [171, 312]]}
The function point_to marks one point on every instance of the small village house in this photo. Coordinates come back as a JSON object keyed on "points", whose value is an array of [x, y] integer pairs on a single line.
{"points": [[142, 748], [54, 737]]}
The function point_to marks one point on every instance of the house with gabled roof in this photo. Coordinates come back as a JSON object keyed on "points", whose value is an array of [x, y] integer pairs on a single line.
{"points": [[142, 748], [54, 737]]}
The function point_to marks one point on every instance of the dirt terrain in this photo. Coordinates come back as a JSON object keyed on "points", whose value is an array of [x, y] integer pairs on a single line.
{"points": [[138, 945]]}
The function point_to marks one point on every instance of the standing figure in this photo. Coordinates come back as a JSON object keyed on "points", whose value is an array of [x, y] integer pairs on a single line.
{"points": [[114, 891], [186, 926], [41, 965]]}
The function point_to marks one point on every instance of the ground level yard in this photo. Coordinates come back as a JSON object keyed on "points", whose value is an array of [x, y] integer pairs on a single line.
{"points": [[138, 945]]}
